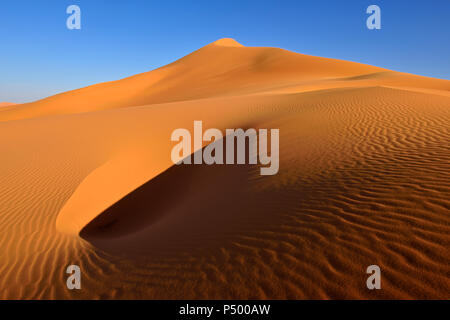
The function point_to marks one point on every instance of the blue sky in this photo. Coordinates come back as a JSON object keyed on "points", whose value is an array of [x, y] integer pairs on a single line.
{"points": [[39, 56]]}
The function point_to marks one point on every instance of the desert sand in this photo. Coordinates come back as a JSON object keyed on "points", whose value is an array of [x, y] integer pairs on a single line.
{"points": [[6, 104], [87, 179]]}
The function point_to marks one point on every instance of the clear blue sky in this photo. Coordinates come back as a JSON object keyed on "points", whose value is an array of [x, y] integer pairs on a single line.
{"points": [[39, 56]]}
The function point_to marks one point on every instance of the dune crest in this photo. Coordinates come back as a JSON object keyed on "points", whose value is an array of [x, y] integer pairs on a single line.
{"points": [[227, 42]]}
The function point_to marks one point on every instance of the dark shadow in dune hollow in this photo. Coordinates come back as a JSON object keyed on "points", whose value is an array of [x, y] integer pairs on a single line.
{"points": [[185, 208]]}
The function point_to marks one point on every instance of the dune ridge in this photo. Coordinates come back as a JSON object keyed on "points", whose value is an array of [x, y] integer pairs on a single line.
{"points": [[217, 70], [364, 179]]}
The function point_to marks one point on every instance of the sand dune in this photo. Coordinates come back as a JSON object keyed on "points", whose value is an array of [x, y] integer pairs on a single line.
{"points": [[364, 179], [6, 104]]}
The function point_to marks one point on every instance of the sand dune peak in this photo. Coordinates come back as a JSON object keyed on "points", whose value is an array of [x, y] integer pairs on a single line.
{"points": [[227, 42]]}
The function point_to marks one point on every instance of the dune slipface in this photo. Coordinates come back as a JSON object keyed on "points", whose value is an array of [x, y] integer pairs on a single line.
{"points": [[364, 179]]}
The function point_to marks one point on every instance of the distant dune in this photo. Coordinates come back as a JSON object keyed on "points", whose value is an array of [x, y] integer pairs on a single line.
{"points": [[364, 179], [6, 104], [222, 69]]}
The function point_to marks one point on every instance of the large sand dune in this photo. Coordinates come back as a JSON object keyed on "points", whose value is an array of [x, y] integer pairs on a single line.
{"points": [[87, 179]]}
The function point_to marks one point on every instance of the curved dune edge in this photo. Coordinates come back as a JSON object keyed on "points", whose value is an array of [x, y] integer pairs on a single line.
{"points": [[171, 210], [86, 202], [133, 165]]}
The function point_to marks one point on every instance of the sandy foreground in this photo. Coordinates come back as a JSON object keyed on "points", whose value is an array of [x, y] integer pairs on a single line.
{"points": [[87, 179]]}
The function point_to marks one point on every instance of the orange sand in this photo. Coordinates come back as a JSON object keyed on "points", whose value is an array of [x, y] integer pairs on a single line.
{"points": [[6, 104], [87, 179]]}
